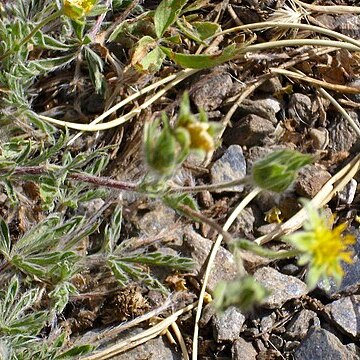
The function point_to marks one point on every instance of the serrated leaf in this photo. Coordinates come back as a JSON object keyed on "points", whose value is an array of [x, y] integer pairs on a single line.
{"points": [[119, 273], [50, 64], [5, 242], [204, 61], [166, 14], [160, 259]]}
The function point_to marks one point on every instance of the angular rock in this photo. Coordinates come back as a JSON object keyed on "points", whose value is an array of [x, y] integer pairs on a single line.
{"points": [[231, 166], [199, 248], [157, 220], [321, 344], [310, 180], [320, 138], [250, 130], [90, 207], [346, 314], [266, 108], [210, 91], [282, 287], [300, 324], [154, 349], [341, 135], [271, 86], [347, 194], [243, 350], [300, 108], [227, 326]]}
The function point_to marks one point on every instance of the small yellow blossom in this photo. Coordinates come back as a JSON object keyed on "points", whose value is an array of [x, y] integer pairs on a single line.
{"points": [[199, 136], [77, 9], [274, 216], [322, 248]]}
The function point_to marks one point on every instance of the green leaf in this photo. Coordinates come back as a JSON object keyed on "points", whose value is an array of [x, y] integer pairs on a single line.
{"points": [[152, 62], [205, 29], [119, 273], [76, 351], [50, 64], [112, 231], [5, 242], [198, 31], [95, 65], [160, 259], [166, 14], [204, 61]]}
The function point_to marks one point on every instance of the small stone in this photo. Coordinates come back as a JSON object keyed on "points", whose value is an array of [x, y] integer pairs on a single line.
{"points": [[321, 344], [271, 86], [157, 220], [90, 207], [250, 130], [231, 166], [300, 108], [347, 194], [3, 198], [243, 350], [210, 91], [300, 324], [320, 138], [276, 341], [199, 248], [282, 287], [206, 315], [266, 108], [244, 224], [154, 349], [227, 326], [290, 346], [289, 205], [346, 314], [310, 180], [290, 269], [266, 229], [267, 322], [341, 135]]}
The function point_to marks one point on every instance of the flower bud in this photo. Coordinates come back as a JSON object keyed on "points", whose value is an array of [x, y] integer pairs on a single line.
{"points": [[278, 170], [77, 9], [244, 293]]}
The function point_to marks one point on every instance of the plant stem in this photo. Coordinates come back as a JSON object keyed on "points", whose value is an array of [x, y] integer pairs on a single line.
{"points": [[197, 215], [92, 179], [270, 24], [31, 34], [264, 252], [210, 263], [222, 185]]}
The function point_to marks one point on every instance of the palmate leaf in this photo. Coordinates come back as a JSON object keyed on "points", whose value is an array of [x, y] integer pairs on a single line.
{"points": [[15, 317]]}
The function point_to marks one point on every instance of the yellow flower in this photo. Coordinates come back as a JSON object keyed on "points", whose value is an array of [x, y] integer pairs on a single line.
{"points": [[77, 9], [199, 136], [322, 248]]}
